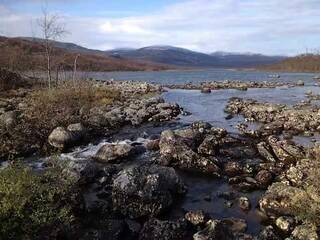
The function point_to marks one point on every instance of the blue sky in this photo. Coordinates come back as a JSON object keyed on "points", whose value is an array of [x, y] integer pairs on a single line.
{"points": [[271, 27]]}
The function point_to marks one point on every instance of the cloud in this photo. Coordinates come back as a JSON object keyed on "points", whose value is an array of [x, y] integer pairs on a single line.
{"points": [[272, 27]]}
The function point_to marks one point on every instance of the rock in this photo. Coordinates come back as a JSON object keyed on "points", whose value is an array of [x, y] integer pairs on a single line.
{"points": [[77, 129], [164, 230], [196, 217], [114, 152], [206, 90], [244, 203], [300, 83], [145, 190], [215, 229], [305, 232], [233, 169], [152, 145], [176, 152], [61, 138], [268, 233], [83, 171], [266, 152], [277, 199], [285, 224], [209, 146], [133, 226], [8, 119], [236, 225], [264, 178]]}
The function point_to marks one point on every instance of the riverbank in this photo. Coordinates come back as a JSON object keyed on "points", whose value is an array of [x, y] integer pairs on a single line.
{"points": [[137, 172]]}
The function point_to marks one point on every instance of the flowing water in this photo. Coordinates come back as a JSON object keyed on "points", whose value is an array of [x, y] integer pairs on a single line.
{"points": [[202, 190]]}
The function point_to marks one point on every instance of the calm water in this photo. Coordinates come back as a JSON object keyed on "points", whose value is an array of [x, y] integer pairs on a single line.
{"points": [[196, 76]]}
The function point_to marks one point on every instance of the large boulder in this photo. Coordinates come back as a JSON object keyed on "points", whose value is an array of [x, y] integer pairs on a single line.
{"points": [[175, 151], [277, 200], [145, 190], [62, 138], [114, 152]]}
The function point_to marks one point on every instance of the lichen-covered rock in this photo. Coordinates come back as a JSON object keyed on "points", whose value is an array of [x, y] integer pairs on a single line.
{"points": [[215, 229], [176, 152], [8, 119], [164, 230], [114, 152], [264, 178], [145, 190], [286, 224], [244, 203], [277, 200], [196, 217], [268, 233]]}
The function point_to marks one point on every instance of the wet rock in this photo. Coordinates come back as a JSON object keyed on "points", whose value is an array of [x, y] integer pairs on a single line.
{"points": [[227, 195], [206, 90], [145, 190], [152, 145], [264, 178], [300, 83], [83, 171], [196, 217], [215, 229], [232, 169], [285, 224], [244, 203], [209, 146], [305, 232], [176, 152], [268, 233], [111, 153], [166, 230], [236, 225]]}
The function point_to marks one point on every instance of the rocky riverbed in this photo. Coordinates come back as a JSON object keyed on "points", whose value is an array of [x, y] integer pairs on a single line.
{"points": [[158, 177]]}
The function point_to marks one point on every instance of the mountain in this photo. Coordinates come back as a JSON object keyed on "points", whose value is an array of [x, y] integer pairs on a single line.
{"points": [[167, 55], [301, 63], [27, 54], [231, 59], [187, 58]]}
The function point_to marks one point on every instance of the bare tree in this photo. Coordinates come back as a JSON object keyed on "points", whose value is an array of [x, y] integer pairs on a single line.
{"points": [[51, 29], [75, 69]]}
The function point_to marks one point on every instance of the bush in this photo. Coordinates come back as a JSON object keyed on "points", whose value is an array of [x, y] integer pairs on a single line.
{"points": [[306, 205], [31, 203], [48, 109], [9, 80]]}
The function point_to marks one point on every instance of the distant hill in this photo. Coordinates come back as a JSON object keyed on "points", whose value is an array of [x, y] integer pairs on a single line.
{"points": [[187, 58], [301, 63], [167, 55], [228, 59], [26, 54]]}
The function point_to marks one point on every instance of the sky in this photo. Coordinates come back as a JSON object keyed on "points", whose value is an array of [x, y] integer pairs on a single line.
{"points": [[272, 27]]}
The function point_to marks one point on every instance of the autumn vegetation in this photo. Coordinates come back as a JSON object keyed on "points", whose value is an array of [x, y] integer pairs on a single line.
{"points": [[301, 63]]}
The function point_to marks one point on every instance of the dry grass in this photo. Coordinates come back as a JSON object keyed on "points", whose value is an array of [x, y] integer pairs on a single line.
{"points": [[49, 108]]}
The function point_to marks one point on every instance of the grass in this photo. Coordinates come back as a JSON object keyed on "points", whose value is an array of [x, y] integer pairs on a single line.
{"points": [[48, 109], [31, 203]]}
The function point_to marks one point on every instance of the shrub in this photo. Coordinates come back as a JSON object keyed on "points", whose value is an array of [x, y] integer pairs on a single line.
{"points": [[306, 205], [31, 202], [49, 108]]}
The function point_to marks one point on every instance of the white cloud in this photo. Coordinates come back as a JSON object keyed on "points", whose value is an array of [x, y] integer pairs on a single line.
{"points": [[273, 26]]}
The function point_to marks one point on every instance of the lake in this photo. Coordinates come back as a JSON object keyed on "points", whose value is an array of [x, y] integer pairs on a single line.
{"points": [[197, 76]]}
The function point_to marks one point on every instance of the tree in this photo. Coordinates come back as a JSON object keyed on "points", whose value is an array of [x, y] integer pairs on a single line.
{"points": [[51, 29]]}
